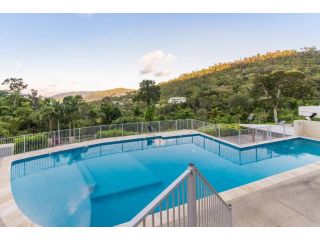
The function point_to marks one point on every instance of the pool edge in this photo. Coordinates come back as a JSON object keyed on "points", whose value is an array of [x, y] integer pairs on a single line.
{"points": [[10, 213]]}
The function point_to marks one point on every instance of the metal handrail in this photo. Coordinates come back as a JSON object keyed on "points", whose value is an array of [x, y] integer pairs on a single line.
{"points": [[204, 205], [155, 202]]}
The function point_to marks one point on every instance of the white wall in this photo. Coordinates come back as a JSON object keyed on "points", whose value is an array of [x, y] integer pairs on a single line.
{"points": [[307, 128]]}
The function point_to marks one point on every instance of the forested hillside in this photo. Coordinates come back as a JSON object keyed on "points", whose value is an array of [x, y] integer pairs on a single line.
{"points": [[225, 90], [269, 87]]}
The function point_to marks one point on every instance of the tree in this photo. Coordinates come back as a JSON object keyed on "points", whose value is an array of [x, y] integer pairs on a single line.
{"points": [[35, 99], [110, 111], [96, 115], [149, 113], [16, 85], [72, 108], [50, 111], [273, 86], [26, 117], [148, 92]]}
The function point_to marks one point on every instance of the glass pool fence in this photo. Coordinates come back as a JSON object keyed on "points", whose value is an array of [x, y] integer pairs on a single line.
{"points": [[236, 135]]}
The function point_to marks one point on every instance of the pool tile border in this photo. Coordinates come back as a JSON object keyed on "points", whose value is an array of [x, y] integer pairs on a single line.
{"points": [[12, 216]]}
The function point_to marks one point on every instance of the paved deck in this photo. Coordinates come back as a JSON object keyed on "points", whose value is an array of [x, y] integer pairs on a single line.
{"points": [[295, 202]]}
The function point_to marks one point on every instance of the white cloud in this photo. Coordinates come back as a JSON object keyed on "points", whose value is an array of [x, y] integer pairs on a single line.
{"points": [[157, 63]]}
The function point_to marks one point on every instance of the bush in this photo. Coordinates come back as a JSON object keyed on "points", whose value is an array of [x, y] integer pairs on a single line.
{"points": [[114, 133], [32, 142], [225, 129]]}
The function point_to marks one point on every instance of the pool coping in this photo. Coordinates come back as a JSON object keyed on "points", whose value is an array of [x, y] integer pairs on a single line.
{"points": [[12, 216]]}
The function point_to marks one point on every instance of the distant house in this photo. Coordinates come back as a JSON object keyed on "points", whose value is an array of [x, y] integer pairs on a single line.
{"points": [[177, 100]]}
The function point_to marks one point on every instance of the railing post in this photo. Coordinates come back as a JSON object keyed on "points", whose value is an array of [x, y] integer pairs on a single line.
{"points": [[24, 143], [192, 198], [239, 140], [219, 131], [176, 124], [141, 127], [270, 132], [159, 126], [284, 130], [100, 130], [79, 134], [192, 124], [122, 128]]}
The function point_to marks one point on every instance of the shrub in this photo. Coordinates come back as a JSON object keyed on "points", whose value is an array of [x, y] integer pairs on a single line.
{"points": [[114, 133], [32, 142]]}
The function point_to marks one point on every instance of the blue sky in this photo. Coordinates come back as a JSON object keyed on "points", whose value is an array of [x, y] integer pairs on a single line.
{"points": [[75, 52]]}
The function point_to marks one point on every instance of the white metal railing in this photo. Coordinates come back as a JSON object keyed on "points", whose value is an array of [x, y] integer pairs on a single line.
{"points": [[32, 142], [189, 201]]}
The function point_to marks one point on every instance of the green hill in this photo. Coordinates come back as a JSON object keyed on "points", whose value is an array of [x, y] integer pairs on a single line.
{"points": [[225, 88]]}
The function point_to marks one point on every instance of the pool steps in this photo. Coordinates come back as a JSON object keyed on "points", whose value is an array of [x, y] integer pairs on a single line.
{"points": [[87, 176]]}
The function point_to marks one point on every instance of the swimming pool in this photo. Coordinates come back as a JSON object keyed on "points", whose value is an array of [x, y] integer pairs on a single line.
{"points": [[108, 184]]}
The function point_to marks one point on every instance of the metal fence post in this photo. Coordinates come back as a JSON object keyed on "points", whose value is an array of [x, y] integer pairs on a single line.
{"points": [[192, 123], [79, 134], [255, 135], [24, 143], [284, 130], [159, 127], [54, 138], [141, 127], [176, 125], [122, 128], [219, 131], [239, 140], [100, 130], [192, 198]]}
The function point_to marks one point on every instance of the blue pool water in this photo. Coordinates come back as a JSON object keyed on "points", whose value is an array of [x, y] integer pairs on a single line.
{"points": [[108, 184]]}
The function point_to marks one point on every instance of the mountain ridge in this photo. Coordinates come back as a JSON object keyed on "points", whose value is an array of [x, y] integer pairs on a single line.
{"points": [[95, 95]]}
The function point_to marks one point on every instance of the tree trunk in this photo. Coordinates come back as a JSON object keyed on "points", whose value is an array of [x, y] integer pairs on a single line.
{"points": [[275, 115]]}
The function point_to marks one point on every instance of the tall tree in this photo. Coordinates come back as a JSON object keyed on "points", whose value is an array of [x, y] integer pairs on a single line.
{"points": [[148, 92], [49, 111], [110, 111], [276, 85], [72, 108], [16, 85]]}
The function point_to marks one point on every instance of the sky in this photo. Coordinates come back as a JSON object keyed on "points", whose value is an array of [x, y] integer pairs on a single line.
{"points": [[57, 53]]}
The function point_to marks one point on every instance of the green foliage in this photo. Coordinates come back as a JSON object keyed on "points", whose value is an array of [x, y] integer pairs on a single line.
{"points": [[31, 142], [149, 113], [269, 86], [109, 110], [114, 133], [148, 92], [231, 92]]}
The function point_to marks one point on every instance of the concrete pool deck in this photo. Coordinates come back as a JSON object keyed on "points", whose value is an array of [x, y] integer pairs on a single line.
{"points": [[11, 215], [292, 203]]}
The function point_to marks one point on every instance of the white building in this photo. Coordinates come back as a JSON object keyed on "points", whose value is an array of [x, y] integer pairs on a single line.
{"points": [[177, 100]]}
